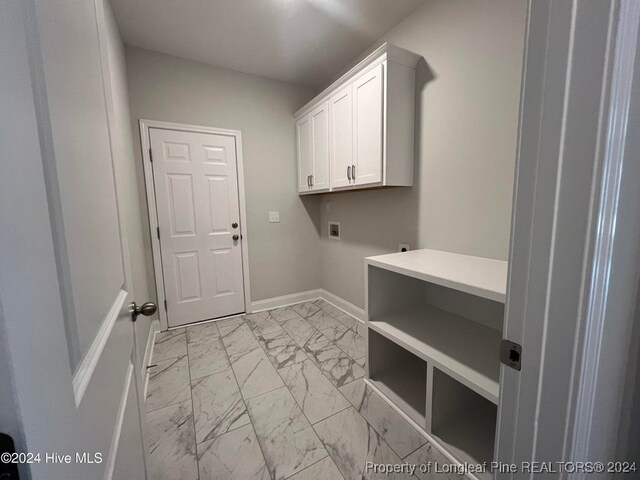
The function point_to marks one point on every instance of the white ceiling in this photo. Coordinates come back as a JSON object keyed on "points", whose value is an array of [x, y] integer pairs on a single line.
{"points": [[300, 41]]}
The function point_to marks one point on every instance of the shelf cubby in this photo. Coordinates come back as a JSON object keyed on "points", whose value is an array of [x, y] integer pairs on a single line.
{"points": [[400, 375], [462, 420], [434, 331]]}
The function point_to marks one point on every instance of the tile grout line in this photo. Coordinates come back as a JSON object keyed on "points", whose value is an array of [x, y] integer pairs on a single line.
{"points": [[300, 406], [246, 407], [350, 405], [168, 404], [311, 424], [193, 410]]}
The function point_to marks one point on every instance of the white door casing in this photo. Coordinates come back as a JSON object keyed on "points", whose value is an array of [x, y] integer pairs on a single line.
{"points": [[368, 90], [319, 118], [65, 295], [341, 137], [572, 261], [195, 195], [305, 156]]}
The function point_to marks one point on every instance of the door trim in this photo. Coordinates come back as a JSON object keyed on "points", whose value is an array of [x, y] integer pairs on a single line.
{"points": [[145, 125], [87, 366]]}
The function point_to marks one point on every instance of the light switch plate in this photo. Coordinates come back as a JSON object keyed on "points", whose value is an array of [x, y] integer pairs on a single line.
{"points": [[274, 217]]}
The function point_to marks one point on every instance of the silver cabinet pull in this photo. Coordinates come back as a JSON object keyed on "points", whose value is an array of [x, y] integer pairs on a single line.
{"points": [[353, 172], [349, 173], [311, 176], [308, 181]]}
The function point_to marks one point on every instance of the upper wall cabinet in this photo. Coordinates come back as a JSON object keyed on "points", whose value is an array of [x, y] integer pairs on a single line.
{"points": [[358, 133]]}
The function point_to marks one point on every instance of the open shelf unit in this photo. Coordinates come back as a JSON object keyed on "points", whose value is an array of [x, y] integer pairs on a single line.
{"points": [[400, 375], [434, 330]]}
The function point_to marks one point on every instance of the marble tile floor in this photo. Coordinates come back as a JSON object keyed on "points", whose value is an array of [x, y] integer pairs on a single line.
{"points": [[271, 396]]}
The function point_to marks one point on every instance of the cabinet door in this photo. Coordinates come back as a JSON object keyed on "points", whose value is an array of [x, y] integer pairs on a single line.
{"points": [[305, 160], [320, 147], [367, 120], [341, 137]]}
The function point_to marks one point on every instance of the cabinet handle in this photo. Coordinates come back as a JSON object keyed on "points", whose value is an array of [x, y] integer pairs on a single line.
{"points": [[353, 172], [308, 180], [311, 176], [349, 173]]}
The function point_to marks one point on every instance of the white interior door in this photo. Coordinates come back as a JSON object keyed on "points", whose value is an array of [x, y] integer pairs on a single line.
{"points": [[69, 333], [320, 147], [368, 112], [341, 137], [196, 185], [305, 158]]}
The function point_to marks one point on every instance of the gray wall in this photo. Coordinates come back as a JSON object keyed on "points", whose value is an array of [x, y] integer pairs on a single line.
{"points": [[128, 189], [466, 129], [282, 256]]}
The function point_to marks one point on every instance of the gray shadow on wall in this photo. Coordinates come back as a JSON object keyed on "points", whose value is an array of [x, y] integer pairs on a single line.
{"points": [[424, 76], [312, 203]]}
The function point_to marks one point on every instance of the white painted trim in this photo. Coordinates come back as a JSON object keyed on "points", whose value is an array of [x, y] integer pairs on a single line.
{"points": [[117, 433], [587, 379], [151, 339], [148, 355], [88, 365], [386, 51], [291, 299], [145, 125], [285, 300], [340, 303]]}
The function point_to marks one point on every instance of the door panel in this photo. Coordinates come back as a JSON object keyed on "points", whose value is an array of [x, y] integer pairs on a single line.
{"points": [[180, 188], [72, 338], [196, 187], [341, 137], [320, 147], [368, 113], [305, 159], [128, 441]]}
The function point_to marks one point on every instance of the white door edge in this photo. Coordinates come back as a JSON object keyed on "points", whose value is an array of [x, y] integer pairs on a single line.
{"points": [[145, 125]]}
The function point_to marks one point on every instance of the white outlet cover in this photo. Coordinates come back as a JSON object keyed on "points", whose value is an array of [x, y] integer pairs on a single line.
{"points": [[274, 217], [404, 247]]}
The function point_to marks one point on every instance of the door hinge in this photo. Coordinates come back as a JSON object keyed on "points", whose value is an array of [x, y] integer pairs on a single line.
{"points": [[150, 155], [165, 305], [511, 354], [158, 232]]}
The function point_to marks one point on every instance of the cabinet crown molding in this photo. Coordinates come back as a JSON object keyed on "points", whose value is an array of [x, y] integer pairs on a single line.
{"points": [[388, 51]]}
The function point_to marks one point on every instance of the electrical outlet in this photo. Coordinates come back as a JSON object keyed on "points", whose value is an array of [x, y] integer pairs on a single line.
{"points": [[274, 217], [404, 247]]}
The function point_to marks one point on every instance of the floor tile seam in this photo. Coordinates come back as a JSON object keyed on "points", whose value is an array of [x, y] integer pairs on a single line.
{"points": [[302, 411], [193, 412], [246, 407]]}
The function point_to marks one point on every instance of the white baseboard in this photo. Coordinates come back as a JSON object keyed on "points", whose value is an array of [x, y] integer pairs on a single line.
{"points": [[154, 328], [349, 308], [283, 301]]}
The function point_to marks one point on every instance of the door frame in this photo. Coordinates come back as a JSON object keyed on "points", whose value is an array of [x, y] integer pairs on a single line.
{"points": [[568, 404], [145, 125]]}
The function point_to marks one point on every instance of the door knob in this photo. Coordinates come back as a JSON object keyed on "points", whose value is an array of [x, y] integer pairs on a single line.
{"points": [[235, 238], [147, 309], [234, 225]]}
